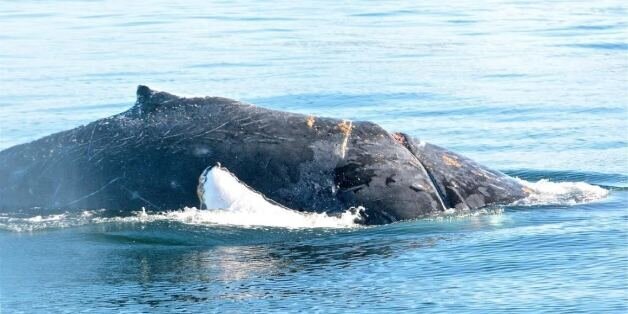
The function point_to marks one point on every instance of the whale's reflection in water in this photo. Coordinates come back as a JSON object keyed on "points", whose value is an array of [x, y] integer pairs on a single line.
{"points": [[169, 268]]}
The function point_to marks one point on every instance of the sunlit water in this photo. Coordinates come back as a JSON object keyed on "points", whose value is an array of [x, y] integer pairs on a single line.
{"points": [[535, 89]]}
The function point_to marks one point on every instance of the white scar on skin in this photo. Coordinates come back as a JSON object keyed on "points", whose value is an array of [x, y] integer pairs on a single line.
{"points": [[345, 127]]}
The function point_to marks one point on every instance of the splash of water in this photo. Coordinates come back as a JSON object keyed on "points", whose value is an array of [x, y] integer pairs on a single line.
{"points": [[247, 216], [546, 192]]}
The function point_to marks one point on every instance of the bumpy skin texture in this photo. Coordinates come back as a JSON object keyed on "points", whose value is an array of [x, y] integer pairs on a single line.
{"points": [[152, 155], [461, 182]]}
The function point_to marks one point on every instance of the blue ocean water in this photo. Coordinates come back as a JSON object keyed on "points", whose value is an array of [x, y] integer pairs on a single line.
{"points": [[536, 89]]}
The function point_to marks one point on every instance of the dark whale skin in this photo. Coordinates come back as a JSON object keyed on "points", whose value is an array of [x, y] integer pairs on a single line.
{"points": [[151, 156]]}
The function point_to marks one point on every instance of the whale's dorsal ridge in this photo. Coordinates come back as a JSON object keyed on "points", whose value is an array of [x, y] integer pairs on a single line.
{"points": [[148, 100], [143, 93]]}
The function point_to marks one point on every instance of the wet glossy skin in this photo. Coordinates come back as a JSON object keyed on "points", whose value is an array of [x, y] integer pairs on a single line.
{"points": [[152, 155]]}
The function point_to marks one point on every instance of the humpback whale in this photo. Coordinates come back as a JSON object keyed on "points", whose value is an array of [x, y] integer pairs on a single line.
{"points": [[154, 155]]}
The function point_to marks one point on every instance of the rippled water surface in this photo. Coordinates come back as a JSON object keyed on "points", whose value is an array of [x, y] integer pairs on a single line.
{"points": [[535, 89]]}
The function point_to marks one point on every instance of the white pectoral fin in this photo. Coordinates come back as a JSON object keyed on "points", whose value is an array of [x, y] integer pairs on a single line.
{"points": [[230, 201], [220, 189]]}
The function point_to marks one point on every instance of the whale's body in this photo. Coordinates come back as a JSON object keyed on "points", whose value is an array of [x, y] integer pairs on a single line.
{"points": [[152, 155]]}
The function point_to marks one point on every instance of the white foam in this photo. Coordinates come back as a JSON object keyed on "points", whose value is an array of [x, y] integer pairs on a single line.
{"points": [[29, 224], [545, 192], [233, 216], [44, 219]]}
